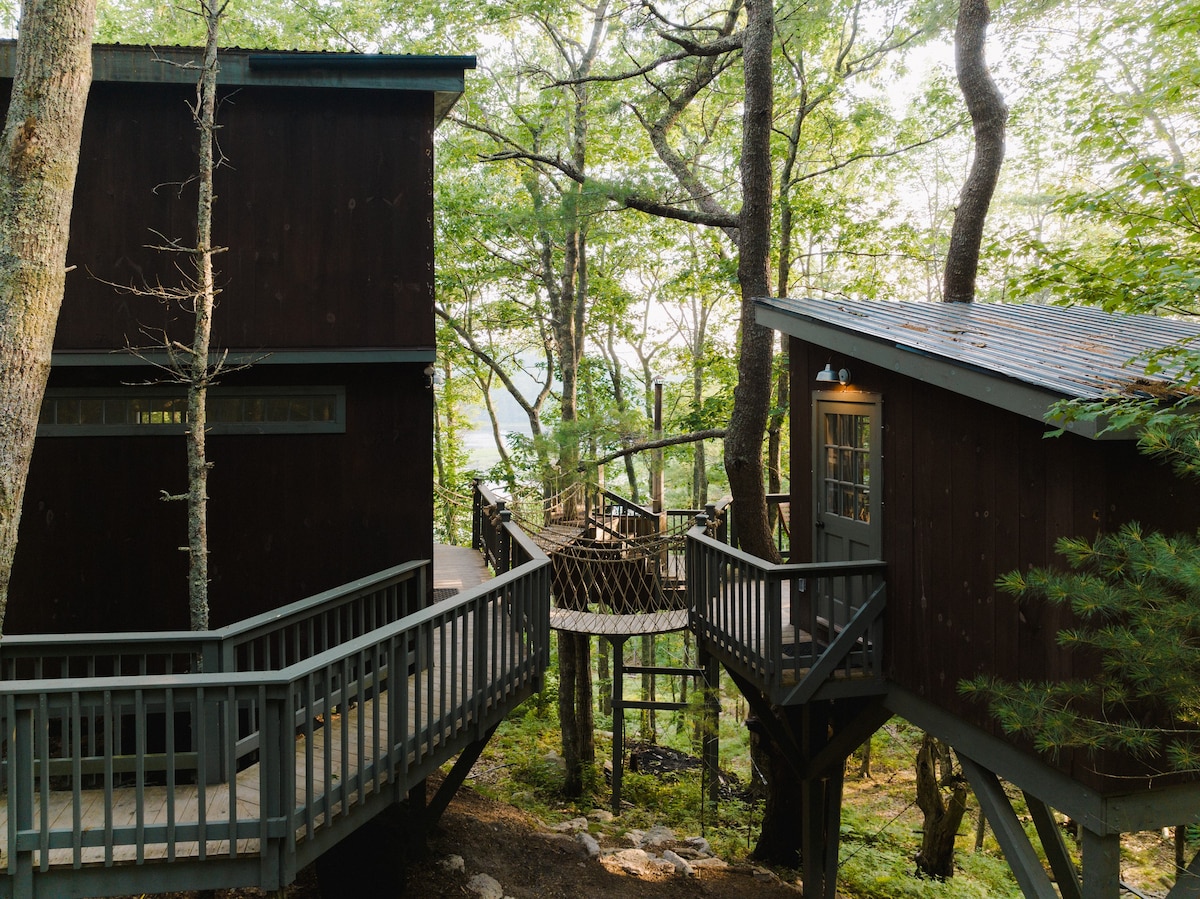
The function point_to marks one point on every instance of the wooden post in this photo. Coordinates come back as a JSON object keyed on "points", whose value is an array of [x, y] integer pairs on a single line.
{"points": [[618, 714], [1101, 865], [711, 743]]}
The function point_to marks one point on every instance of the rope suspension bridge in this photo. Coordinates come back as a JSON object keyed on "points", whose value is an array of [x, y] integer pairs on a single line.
{"points": [[616, 567]]}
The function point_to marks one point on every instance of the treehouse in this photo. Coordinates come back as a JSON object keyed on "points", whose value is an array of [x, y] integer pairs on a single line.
{"points": [[321, 436], [922, 428]]}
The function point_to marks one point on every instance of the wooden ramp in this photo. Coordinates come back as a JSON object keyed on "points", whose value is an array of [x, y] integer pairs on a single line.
{"points": [[456, 568], [338, 734], [326, 759]]}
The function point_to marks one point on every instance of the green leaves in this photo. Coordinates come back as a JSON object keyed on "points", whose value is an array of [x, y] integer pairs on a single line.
{"points": [[1136, 598]]}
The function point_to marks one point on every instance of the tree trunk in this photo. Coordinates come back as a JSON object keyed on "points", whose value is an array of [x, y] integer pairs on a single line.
{"points": [[988, 117], [780, 838], [942, 818], [752, 395], [37, 182], [575, 714], [568, 722], [199, 374]]}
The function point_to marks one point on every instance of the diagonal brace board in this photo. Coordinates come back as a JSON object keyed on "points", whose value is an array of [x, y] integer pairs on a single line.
{"points": [[1055, 848], [454, 779], [1188, 884], [1022, 859], [841, 646]]}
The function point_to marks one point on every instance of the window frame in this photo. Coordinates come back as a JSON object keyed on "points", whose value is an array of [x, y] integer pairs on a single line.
{"points": [[126, 394]]}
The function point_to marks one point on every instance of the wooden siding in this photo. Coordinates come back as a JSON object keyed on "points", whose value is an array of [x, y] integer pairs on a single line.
{"points": [[970, 492], [325, 206], [289, 514]]}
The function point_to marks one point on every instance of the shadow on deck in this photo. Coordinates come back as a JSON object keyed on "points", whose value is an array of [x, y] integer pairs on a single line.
{"points": [[126, 770]]}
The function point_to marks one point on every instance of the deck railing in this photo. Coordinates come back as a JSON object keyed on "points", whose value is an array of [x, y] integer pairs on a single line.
{"points": [[343, 700], [269, 641], [796, 630]]}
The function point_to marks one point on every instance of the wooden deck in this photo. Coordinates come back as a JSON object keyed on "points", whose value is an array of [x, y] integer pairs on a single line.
{"points": [[358, 741], [458, 568], [166, 810]]}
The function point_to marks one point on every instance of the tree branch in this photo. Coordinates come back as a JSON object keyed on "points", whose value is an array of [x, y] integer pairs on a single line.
{"points": [[678, 439]]}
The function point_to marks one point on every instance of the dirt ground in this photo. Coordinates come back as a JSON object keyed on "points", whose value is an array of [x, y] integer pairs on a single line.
{"points": [[530, 862]]}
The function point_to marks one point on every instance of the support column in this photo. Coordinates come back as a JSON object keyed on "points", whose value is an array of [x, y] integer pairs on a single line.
{"points": [[710, 752], [1101, 865], [820, 824], [618, 717]]}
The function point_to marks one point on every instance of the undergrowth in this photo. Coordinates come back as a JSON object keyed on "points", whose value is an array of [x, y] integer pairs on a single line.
{"points": [[880, 829]]}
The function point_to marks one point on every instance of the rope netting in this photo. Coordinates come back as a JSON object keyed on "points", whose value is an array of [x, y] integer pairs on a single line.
{"points": [[615, 567]]}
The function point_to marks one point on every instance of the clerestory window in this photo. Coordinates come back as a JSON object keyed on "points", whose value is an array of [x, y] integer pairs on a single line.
{"points": [[89, 412]]}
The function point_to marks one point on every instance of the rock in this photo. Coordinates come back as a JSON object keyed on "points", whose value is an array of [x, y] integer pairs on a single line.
{"points": [[658, 836], [637, 838], [711, 862], [589, 844], [636, 862], [453, 863], [698, 844], [764, 876], [604, 816], [555, 759], [485, 886], [681, 865], [575, 825]]}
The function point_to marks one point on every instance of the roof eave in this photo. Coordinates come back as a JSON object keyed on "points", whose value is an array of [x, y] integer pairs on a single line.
{"points": [[442, 76], [988, 387]]}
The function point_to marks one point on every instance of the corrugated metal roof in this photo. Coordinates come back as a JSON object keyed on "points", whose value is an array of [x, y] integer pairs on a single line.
{"points": [[1075, 351]]}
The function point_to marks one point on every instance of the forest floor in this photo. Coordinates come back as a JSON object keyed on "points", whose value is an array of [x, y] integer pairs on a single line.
{"points": [[530, 861], [520, 843]]}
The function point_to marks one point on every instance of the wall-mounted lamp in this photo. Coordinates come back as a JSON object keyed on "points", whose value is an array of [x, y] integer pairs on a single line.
{"points": [[433, 377], [828, 376]]}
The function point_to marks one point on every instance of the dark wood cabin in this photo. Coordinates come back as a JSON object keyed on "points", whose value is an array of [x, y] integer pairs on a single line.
{"points": [[322, 446], [919, 437]]}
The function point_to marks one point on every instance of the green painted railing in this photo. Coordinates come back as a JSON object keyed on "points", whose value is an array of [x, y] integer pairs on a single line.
{"points": [[795, 630], [299, 726]]}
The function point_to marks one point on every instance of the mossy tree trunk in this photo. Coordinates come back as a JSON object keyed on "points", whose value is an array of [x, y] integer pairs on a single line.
{"points": [[38, 164], [942, 796], [988, 117]]}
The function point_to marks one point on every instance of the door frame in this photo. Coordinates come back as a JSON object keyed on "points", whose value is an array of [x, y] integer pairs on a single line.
{"points": [[873, 402]]}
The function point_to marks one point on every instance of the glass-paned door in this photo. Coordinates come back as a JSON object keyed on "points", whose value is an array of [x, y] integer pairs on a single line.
{"points": [[846, 432]]}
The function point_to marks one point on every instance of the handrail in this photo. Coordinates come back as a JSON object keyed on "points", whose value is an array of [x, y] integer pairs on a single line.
{"points": [[793, 628], [783, 569], [503, 543], [111, 654], [490, 642], [638, 510]]}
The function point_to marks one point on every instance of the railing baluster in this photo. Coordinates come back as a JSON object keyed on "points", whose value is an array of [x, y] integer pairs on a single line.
{"points": [[487, 646], [21, 786], [139, 775], [76, 781]]}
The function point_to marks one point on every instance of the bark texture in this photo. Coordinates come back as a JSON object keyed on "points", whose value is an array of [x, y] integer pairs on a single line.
{"points": [[199, 375], [752, 395], [38, 163], [569, 311], [988, 117], [942, 815], [780, 836]]}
